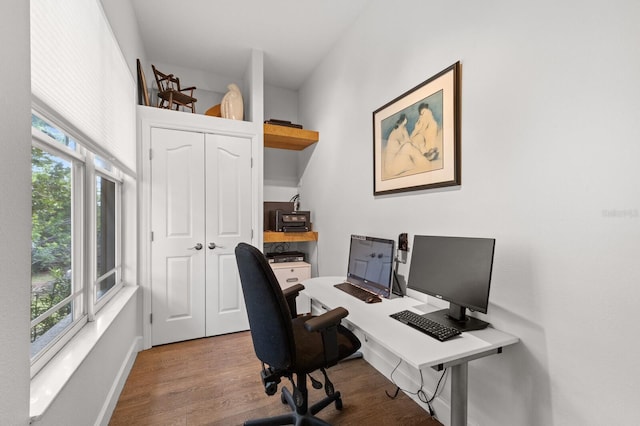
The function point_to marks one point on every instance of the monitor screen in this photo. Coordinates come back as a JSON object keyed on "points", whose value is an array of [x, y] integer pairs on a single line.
{"points": [[371, 263], [454, 269]]}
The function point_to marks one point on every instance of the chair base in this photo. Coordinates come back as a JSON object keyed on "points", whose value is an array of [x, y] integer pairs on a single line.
{"points": [[299, 417]]}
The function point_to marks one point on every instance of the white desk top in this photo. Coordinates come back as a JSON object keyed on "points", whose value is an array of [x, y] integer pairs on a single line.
{"points": [[414, 347]]}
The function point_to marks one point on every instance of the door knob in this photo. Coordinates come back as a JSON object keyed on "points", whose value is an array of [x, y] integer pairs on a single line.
{"points": [[213, 246], [197, 247]]}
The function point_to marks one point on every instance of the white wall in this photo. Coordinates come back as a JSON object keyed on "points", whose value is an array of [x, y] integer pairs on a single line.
{"points": [[549, 168], [91, 394], [15, 213], [280, 104], [281, 171]]}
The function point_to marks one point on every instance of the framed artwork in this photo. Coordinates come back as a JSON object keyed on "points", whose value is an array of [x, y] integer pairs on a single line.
{"points": [[416, 137]]}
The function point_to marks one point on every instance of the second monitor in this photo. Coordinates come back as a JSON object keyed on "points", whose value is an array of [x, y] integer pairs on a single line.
{"points": [[456, 270]]}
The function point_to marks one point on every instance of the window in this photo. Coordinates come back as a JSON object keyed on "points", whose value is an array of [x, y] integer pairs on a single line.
{"points": [[52, 304], [84, 150], [63, 295], [106, 236]]}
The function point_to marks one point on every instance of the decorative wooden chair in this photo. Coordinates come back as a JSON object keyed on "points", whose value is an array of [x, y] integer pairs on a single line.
{"points": [[170, 93]]}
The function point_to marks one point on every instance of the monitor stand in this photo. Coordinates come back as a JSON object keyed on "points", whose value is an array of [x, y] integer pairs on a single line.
{"points": [[455, 317]]}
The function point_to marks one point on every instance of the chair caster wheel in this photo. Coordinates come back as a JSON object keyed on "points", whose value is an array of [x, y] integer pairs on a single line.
{"points": [[328, 388], [338, 404]]}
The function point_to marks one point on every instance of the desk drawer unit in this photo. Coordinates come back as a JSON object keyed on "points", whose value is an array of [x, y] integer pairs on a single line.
{"points": [[290, 273]]}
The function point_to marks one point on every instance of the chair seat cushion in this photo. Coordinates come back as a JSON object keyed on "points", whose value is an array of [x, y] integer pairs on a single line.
{"points": [[309, 348]]}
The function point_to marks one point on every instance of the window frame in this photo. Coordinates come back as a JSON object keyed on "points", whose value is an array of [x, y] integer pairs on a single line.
{"points": [[114, 176], [84, 233]]}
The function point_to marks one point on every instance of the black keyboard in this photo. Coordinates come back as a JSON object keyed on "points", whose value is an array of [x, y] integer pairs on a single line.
{"points": [[355, 291], [427, 326]]}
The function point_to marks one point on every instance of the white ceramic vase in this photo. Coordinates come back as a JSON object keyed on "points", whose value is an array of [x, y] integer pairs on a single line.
{"points": [[232, 106]]}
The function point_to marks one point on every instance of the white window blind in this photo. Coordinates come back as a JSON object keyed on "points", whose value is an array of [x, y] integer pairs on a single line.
{"points": [[78, 74]]}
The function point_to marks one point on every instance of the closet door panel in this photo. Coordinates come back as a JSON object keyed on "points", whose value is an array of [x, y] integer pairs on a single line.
{"points": [[229, 212], [177, 222]]}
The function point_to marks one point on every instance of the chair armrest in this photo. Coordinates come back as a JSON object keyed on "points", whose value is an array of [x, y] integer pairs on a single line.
{"points": [[326, 320], [187, 88], [327, 324], [290, 294], [292, 291]]}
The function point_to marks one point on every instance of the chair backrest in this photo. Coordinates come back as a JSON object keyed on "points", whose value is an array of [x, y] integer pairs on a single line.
{"points": [[267, 309], [164, 81]]}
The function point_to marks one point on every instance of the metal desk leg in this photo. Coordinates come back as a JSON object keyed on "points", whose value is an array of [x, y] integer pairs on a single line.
{"points": [[459, 377]]}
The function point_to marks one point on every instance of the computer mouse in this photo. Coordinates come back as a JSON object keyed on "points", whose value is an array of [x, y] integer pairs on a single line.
{"points": [[373, 299]]}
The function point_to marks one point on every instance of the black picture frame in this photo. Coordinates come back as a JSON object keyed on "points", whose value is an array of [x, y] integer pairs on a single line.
{"points": [[416, 137]]}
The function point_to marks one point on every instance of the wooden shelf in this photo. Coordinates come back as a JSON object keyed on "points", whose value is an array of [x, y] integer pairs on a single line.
{"points": [[289, 237], [284, 137]]}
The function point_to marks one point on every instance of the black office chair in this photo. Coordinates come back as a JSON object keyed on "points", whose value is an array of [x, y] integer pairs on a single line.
{"points": [[288, 344]]}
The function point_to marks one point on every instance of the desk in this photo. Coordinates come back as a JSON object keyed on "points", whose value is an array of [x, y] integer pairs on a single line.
{"points": [[413, 347]]}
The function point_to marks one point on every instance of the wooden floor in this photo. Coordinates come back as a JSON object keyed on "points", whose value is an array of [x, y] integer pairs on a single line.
{"points": [[216, 381]]}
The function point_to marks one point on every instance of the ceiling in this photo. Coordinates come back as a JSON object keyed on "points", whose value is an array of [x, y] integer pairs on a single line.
{"points": [[217, 36]]}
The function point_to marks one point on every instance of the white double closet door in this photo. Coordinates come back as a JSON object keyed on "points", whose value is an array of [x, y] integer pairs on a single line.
{"points": [[200, 210]]}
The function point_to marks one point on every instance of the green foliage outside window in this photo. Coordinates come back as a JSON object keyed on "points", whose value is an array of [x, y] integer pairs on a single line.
{"points": [[51, 237], [51, 212], [42, 301]]}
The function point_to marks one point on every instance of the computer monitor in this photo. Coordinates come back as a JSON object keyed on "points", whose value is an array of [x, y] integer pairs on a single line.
{"points": [[456, 270], [371, 263]]}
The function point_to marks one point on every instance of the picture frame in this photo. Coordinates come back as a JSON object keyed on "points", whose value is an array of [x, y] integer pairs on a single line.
{"points": [[416, 137]]}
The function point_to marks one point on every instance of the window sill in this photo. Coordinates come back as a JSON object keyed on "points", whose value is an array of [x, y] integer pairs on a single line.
{"points": [[49, 381]]}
